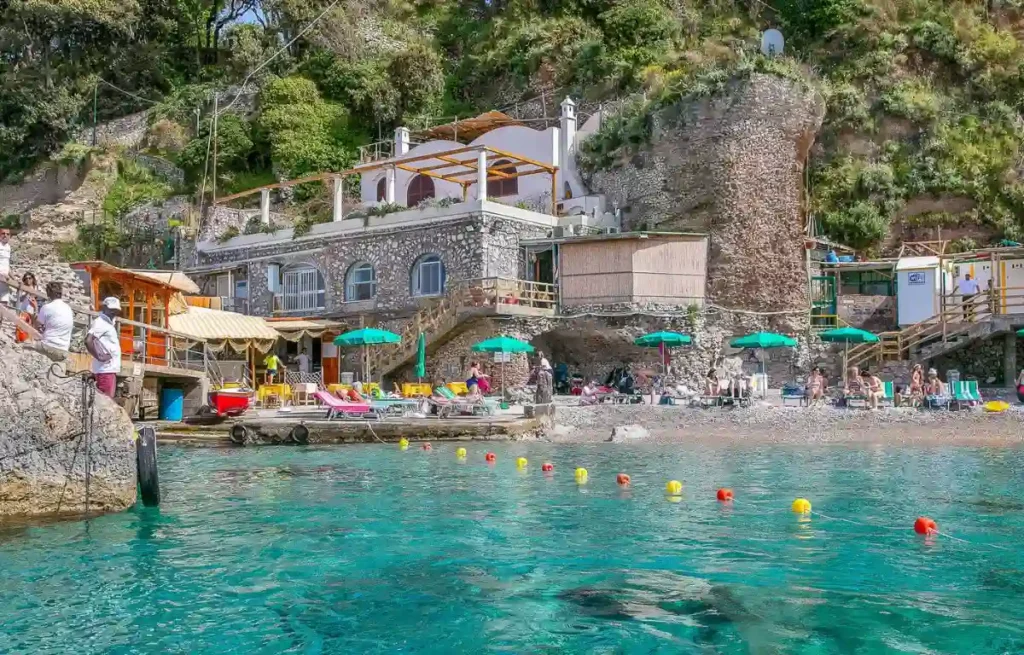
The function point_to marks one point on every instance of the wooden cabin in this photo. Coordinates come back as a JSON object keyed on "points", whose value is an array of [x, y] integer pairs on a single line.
{"points": [[147, 297]]}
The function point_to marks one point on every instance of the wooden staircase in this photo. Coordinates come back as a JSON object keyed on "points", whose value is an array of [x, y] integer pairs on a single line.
{"points": [[464, 301], [951, 329]]}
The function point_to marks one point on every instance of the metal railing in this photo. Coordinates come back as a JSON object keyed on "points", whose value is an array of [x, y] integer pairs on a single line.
{"points": [[497, 291]]}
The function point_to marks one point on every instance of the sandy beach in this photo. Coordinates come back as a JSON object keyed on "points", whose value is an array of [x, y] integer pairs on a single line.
{"points": [[772, 424]]}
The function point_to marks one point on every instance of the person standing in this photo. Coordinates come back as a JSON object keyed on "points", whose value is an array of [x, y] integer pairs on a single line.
{"points": [[5, 264], [55, 319], [272, 362], [545, 365], [27, 304], [104, 344], [304, 362], [968, 292]]}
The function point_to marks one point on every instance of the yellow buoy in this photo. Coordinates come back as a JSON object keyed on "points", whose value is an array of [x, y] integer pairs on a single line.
{"points": [[460, 453], [521, 463], [403, 444], [996, 406], [581, 476], [802, 506], [674, 487]]}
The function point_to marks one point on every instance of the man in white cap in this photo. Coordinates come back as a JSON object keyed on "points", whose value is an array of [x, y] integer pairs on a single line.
{"points": [[104, 344]]}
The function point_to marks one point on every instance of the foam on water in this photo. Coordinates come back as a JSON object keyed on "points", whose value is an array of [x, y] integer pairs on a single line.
{"points": [[372, 549]]}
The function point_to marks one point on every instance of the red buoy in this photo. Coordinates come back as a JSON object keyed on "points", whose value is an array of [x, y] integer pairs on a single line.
{"points": [[725, 494], [427, 446], [547, 467], [490, 457], [924, 525], [622, 479]]}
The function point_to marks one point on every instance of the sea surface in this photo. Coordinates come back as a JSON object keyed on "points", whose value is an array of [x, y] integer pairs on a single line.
{"points": [[369, 549]]}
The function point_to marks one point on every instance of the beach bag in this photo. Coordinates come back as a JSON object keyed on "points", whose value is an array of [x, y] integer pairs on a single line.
{"points": [[20, 335]]}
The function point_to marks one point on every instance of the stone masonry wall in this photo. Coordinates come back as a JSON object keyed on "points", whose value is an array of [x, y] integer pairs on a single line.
{"points": [[871, 313], [46, 185], [731, 165], [128, 131], [474, 247]]}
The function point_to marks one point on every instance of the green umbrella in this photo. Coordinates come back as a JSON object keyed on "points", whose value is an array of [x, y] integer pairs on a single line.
{"points": [[366, 337], [670, 339], [503, 344], [421, 356], [848, 335], [763, 340], [1020, 333], [663, 341]]}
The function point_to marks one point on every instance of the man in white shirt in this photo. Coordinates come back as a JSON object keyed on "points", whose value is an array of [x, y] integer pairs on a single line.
{"points": [[968, 290], [303, 361], [5, 264], [55, 319], [544, 363], [104, 344]]}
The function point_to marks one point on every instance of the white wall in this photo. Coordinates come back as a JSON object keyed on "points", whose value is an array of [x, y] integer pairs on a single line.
{"points": [[920, 301], [539, 145]]}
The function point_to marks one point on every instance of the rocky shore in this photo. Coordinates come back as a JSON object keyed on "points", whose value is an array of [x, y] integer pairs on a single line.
{"points": [[771, 424], [42, 444]]}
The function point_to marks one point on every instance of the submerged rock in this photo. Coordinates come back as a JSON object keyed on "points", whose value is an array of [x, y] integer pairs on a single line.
{"points": [[628, 433], [42, 442]]}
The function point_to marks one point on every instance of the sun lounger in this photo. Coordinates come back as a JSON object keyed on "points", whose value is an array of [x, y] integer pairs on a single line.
{"points": [[794, 392], [966, 393], [888, 394], [468, 405], [340, 408]]}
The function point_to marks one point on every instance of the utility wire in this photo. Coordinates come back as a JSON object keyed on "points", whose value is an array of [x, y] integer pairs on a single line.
{"points": [[127, 93]]}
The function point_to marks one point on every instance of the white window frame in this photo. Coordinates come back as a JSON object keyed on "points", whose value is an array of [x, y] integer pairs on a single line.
{"points": [[352, 285], [431, 268], [302, 289]]}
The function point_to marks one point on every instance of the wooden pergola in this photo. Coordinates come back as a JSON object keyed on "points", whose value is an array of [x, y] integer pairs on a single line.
{"points": [[464, 166]]}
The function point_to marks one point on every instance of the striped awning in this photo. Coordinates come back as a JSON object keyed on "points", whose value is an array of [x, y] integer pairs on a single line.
{"points": [[293, 329], [225, 329]]}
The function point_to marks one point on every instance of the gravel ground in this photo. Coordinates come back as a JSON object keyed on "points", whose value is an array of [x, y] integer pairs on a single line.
{"points": [[771, 424]]}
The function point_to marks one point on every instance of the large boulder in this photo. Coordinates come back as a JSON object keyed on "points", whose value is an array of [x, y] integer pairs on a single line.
{"points": [[42, 444]]}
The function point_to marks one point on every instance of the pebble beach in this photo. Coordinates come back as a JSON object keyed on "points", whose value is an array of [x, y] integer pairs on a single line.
{"points": [[772, 424]]}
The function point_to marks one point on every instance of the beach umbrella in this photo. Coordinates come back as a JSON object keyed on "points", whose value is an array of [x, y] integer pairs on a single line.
{"points": [[503, 344], [366, 337], [763, 340], [1020, 333], [847, 335], [421, 357], [663, 341]]}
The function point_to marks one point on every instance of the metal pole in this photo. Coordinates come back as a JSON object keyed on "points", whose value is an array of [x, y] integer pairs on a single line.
{"points": [[95, 93], [215, 100]]}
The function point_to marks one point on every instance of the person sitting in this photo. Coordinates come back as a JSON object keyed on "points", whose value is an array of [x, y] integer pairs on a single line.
{"points": [[874, 388], [27, 304], [1020, 386], [852, 388], [588, 396], [934, 389]]}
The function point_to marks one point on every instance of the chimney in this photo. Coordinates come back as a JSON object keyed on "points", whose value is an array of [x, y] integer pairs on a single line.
{"points": [[567, 129], [401, 141]]}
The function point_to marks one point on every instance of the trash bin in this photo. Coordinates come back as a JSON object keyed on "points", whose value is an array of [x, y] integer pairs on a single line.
{"points": [[172, 404]]}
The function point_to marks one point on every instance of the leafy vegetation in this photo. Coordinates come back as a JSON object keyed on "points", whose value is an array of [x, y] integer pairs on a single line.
{"points": [[923, 96]]}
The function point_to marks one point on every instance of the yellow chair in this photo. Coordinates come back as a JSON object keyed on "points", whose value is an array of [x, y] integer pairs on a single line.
{"points": [[415, 390], [458, 388]]}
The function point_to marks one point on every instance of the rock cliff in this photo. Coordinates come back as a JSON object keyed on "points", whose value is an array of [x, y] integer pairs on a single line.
{"points": [[42, 448], [731, 165]]}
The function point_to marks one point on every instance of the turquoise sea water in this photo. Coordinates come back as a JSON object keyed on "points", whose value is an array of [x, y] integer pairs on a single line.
{"points": [[368, 549]]}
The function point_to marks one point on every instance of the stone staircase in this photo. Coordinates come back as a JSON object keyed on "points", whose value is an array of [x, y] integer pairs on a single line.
{"points": [[464, 302]]}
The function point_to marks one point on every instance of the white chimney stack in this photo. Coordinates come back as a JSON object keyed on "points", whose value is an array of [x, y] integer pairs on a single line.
{"points": [[567, 151], [401, 141]]}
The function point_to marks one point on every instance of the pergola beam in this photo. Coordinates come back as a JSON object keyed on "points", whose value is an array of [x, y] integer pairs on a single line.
{"points": [[446, 156]]}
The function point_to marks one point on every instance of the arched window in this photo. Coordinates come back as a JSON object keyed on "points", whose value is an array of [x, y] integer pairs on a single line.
{"points": [[421, 188], [428, 276], [361, 282], [302, 289], [382, 189], [504, 186]]}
